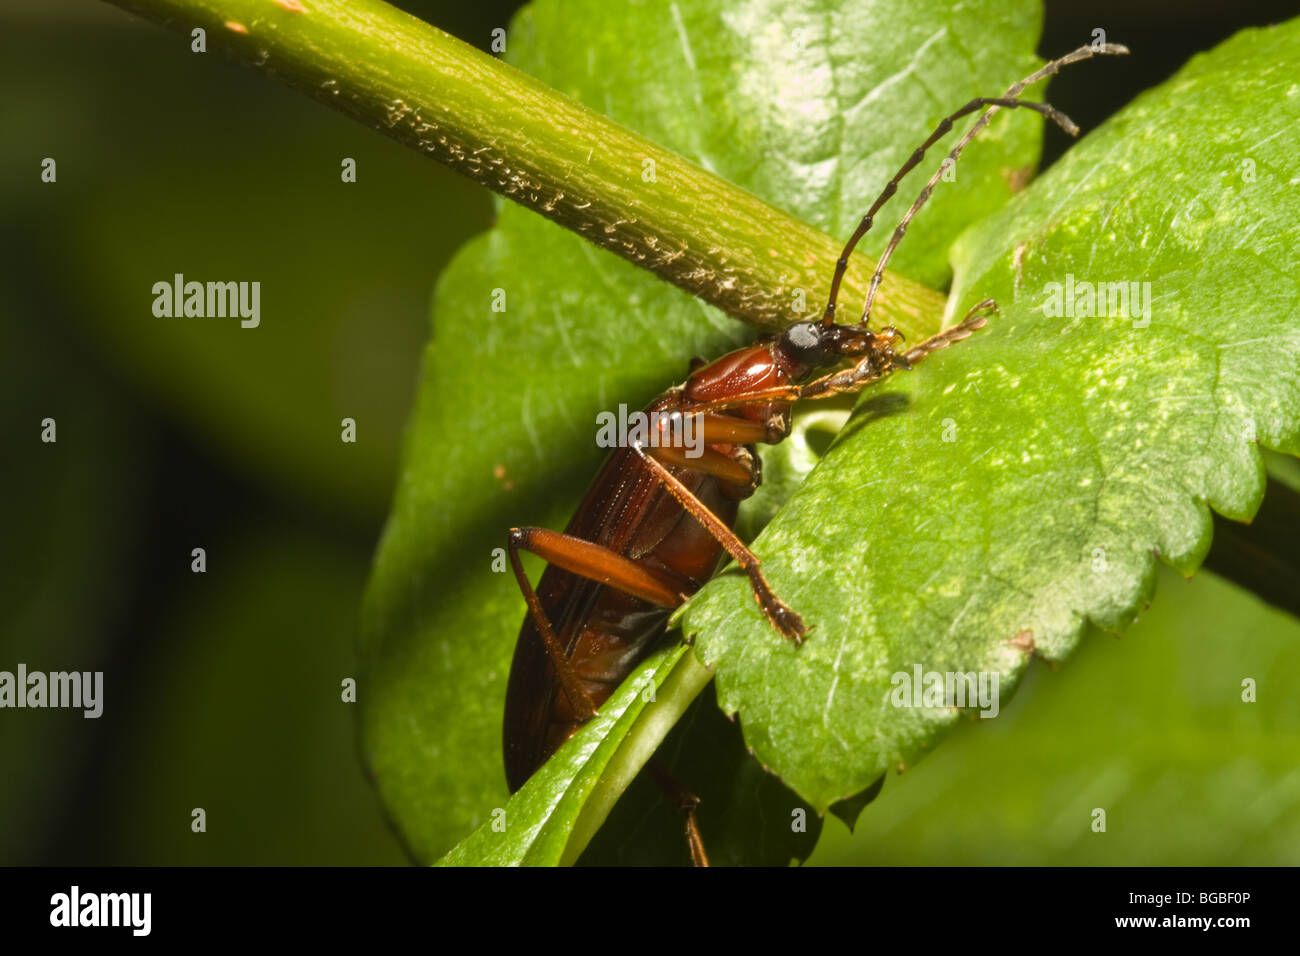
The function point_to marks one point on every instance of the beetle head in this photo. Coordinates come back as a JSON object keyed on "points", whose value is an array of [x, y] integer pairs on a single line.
{"points": [[810, 346]]}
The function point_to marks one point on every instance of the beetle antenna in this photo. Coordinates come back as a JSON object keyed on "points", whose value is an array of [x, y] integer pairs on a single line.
{"points": [[945, 125], [994, 104]]}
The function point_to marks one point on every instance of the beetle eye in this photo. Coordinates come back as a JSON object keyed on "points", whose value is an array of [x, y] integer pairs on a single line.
{"points": [[803, 342]]}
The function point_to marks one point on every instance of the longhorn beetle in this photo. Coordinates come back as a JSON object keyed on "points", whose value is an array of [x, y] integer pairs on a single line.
{"points": [[655, 523]]}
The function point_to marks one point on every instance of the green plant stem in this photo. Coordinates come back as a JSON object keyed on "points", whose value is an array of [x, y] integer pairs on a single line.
{"points": [[541, 149], [687, 679]]}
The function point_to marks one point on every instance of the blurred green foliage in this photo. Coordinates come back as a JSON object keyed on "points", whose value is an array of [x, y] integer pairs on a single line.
{"points": [[71, 527], [245, 717], [222, 690]]}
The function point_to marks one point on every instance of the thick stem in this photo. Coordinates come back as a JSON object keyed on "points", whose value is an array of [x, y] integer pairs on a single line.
{"points": [[517, 136]]}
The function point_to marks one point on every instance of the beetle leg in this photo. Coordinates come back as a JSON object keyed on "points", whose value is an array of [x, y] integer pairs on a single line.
{"points": [[730, 430], [783, 618], [685, 803], [740, 471], [708, 461], [590, 561], [693, 840], [713, 428]]}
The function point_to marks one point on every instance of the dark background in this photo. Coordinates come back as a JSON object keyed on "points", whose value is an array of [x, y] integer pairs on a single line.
{"points": [[223, 688]]}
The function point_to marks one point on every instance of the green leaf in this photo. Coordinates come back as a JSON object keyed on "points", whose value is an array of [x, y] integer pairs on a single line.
{"points": [[1188, 772], [1022, 485], [534, 827], [503, 432], [746, 815]]}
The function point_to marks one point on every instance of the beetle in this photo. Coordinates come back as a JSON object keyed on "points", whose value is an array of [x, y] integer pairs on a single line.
{"points": [[657, 521]]}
